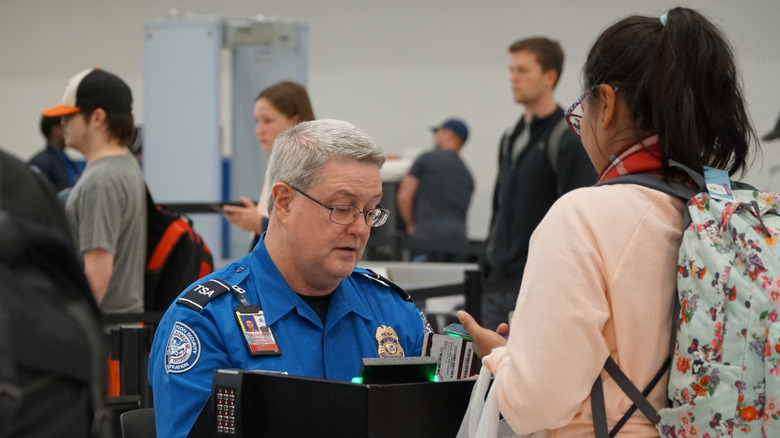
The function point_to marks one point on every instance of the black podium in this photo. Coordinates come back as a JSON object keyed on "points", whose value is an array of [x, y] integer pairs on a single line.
{"points": [[260, 404]]}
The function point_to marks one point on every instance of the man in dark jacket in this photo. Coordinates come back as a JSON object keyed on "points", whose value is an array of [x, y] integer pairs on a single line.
{"points": [[540, 159], [52, 160]]}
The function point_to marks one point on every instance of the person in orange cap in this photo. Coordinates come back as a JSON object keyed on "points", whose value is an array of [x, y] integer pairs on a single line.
{"points": [[106, 209]]}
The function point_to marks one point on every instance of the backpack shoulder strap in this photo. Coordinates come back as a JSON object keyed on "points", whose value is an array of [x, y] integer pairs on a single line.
{"points": [[638, 398], [671, 188], [553, 143], [150, 205]]}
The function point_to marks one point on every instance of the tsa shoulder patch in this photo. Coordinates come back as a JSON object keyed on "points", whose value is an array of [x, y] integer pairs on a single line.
{"points": [[426, 325], [183, 349], [199, 295]]}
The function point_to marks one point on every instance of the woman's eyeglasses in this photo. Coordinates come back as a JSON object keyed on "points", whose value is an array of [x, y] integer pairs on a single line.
{"points": [[574, 113]]}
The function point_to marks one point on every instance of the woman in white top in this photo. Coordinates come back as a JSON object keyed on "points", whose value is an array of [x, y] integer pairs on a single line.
{"points": [[277, 108]]}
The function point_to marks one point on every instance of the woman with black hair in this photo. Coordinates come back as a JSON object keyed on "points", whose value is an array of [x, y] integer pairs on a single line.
{"points": [[602, 268]]}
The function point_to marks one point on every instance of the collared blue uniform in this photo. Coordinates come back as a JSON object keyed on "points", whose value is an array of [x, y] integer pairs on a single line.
{"points": [[190, 344]]}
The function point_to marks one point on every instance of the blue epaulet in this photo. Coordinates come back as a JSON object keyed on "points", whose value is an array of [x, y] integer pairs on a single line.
{"points": [[384, 281], [201, 293]]}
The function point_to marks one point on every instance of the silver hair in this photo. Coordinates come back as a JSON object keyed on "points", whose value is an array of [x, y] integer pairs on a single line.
{"points": [[300, 152]]}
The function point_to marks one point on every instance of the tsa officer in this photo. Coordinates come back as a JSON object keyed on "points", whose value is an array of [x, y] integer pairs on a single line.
{"points": [[317, 314]]}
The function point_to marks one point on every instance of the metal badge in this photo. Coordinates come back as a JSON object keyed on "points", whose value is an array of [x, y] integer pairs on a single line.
{"points": [[387, 340]]}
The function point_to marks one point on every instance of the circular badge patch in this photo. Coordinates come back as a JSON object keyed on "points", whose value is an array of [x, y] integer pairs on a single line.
{"points": [[183, 350]]}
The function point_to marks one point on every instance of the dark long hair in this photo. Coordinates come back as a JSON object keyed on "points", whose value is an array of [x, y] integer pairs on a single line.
{"points": [[680, 81]]}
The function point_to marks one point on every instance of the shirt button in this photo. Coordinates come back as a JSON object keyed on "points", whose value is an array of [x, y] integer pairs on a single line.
{"points": [[239, 269]]}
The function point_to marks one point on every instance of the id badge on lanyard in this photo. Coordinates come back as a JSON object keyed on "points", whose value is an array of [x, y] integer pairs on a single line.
{"points": [[258, 336]]}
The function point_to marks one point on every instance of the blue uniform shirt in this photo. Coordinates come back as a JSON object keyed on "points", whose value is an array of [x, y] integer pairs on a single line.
{"points": [[190, 344]]}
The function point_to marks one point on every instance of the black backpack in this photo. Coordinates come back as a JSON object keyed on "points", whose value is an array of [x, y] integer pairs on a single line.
{"points": [[52, 349], [176, 255]]}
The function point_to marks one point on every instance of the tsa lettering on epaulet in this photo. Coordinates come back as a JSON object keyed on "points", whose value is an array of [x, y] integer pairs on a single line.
{"points": [[197, 297], [386, 282], [200, 294]]}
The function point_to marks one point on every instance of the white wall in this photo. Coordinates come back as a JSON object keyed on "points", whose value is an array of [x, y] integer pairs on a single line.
{"points": [[392, 67]]}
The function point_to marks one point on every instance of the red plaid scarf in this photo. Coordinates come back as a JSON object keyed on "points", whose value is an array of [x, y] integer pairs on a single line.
{"points": [[643, 157]]}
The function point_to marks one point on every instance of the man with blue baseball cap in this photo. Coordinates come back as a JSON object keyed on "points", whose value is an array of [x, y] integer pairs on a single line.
{"points": [[455, 126], [433, 199]]}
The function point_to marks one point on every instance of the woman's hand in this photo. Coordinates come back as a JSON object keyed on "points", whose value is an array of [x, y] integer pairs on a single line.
{"points": [[484, 340], [244, 216]]}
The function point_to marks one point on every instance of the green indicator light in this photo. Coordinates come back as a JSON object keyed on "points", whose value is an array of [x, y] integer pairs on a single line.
{"points": [[357, 380], [435, 378]]}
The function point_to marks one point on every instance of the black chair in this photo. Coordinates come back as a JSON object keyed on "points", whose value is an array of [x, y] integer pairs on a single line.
{"points": [[138, 423]]}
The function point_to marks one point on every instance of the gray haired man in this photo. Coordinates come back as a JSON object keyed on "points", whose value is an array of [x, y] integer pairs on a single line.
{"points": [[316, 314]]}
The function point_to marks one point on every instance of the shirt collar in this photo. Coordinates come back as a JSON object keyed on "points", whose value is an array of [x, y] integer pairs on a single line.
{"points": [[281, 300], [346, 299]]}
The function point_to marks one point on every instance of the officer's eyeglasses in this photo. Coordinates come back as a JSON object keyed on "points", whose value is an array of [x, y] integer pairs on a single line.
{"points": [[346, 214]]}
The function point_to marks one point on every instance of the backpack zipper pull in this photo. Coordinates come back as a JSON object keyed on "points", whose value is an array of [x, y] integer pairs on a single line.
{"points": [[761, 221]]}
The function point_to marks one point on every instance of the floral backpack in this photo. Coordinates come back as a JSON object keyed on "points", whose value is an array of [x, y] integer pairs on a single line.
{"points": [[725, 350]]}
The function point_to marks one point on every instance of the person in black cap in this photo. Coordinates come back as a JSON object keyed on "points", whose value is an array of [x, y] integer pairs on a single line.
{"points": [[106, 209], [434, 197]]}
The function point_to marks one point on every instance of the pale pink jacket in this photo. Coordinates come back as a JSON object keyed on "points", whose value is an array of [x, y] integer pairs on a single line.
{"points": [[599, 281]]}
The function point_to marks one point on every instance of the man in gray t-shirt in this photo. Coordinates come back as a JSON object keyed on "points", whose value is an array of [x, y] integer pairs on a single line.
{"points": [[106, 209], [434, 197]]}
